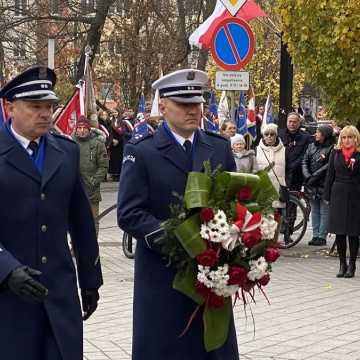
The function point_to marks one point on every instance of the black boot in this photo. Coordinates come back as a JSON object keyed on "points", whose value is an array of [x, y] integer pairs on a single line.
{"points": [[341, 249], [354, 248], [342, 269], [312, 241], [350, 273]]}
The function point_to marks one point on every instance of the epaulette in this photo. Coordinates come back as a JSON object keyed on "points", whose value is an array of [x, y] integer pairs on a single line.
{"points": [[211, 133], [137, 138], [62, 136]]}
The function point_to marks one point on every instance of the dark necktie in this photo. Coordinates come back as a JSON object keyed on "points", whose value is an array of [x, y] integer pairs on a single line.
{"points": [[33, 146], [188, 152]]}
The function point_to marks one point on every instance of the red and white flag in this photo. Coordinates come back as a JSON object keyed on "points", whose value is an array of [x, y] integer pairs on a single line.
{"points": [[3, 115], [251, 114], [203, 35], [66, 120]]}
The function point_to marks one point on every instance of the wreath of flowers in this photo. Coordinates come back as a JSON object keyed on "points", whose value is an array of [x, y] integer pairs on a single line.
{"points": [[222, 240]]}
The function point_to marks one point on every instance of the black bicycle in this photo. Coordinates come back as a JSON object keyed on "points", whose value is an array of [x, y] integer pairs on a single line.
{"points": [[293, 219], [128, 245], [128, 242]]}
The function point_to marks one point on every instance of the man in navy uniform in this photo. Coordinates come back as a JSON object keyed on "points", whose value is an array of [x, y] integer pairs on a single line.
{"points": [[155, 167], [41, 200]]}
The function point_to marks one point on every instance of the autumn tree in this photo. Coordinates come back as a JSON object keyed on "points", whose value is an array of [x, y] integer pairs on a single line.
{"points": [[324, 39]]}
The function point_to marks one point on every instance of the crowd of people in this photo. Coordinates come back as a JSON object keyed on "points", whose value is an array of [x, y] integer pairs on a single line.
{"points": [[325, 165], [294, 158]]}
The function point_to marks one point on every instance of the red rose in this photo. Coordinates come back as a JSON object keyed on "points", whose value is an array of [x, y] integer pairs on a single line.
{"points": [[237, 276], [207, 258], [206, 214], [215, 301], [251, 238], [202, 289], [272, 254], [244, 194], [264, 280]]}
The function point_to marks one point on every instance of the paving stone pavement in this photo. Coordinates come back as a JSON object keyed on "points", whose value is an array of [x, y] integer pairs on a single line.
{"points": [[312, 314]]}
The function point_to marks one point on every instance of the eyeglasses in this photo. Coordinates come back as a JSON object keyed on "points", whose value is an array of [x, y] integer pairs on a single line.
{"points": [[269, 134]]}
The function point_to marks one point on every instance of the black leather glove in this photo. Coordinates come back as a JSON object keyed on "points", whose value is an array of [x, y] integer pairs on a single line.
{"points": [[90, 300], [21, 283]]}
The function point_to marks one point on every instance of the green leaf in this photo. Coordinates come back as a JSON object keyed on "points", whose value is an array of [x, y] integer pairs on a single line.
{"points": [[197, 190], [259, 249], [185, 281], [238, 180], [221, 182], [216, 325], [253, 206], [188, 233], [266, 193]]}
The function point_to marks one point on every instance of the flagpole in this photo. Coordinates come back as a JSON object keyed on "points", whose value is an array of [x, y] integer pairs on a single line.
{"points": [[232, 106]]}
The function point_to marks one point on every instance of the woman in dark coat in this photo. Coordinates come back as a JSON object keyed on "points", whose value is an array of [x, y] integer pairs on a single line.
{"points": [[314, 168], [342, 190]]}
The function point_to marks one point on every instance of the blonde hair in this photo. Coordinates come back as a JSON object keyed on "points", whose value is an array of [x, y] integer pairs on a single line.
{"points": [[352, 131]]}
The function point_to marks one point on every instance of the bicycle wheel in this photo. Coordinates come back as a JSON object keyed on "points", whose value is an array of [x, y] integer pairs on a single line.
{"points": [[128, 245], [293, 223], [306, 204]]}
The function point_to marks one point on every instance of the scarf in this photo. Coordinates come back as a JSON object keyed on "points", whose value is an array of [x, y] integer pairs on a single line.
{"points": [[347, 154]]}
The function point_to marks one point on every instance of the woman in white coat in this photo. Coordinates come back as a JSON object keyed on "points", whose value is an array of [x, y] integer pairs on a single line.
{"points": [[270, 155]]}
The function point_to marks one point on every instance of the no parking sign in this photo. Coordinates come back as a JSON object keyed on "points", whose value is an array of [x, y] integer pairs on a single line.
{"points": [[233, 44]]}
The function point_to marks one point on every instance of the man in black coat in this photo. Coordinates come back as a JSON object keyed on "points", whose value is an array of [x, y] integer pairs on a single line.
{"points": [[42, 199], [155, 169], [296, 142]]}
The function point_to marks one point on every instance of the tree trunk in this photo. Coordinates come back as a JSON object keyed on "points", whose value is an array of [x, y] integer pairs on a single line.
{"points": [[182, 38], [94, 35]]}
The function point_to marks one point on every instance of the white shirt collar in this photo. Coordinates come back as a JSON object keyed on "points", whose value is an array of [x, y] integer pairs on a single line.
{"points": [[181, 139], [22, 140]]}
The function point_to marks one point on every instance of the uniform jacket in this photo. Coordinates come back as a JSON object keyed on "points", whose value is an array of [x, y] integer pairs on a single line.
{"points": [[315, 165], [154, 169], [295, 147], [342, 189], [36, 213], [94, 164]]}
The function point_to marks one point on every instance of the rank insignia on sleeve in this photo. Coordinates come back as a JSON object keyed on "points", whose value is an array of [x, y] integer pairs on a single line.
{"points": [[130, 158]]}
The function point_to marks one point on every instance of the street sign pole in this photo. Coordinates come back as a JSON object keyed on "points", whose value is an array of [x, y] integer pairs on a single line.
{"points": [[51, 53]]}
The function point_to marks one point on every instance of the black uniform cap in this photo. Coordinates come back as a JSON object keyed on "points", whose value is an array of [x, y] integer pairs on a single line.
{"points": [[34, 84]]}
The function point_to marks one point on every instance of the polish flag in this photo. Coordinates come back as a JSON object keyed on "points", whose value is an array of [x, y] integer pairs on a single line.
{"points": [[66, 120], [251, 115], [203, 35], [3, 114]]}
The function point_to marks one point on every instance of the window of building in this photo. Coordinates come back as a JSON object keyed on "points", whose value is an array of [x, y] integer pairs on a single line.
{"points": [[20, 50], [19, 7], [107, 91], [119, 46], [121, 7], [54, 6], [88, 6]]}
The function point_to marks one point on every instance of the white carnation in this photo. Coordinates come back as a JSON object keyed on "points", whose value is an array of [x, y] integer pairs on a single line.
{"points": [[258, 268], [268, 227]]}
